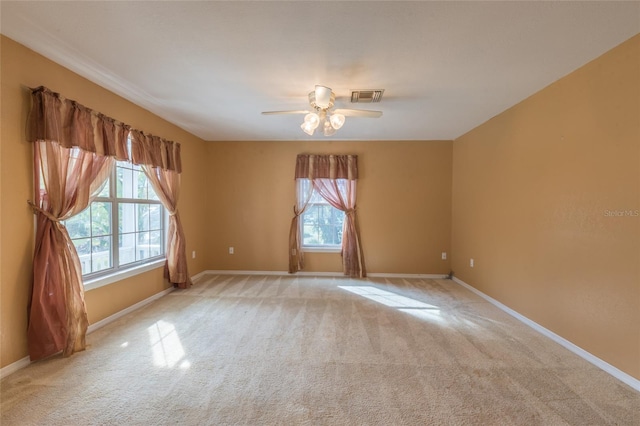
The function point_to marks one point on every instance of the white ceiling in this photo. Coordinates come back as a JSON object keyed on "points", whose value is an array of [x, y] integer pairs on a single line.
{"points": [[212, 67]]}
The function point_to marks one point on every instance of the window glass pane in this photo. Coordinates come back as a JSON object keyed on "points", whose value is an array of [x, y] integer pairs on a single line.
{"points": [[143, 217], [331, 225], [155, 216], [119, 180], [74, 153], [126, 217], [104, 193], [127, 248], [309, 230], [316, 198], [101, 253], [140, 185], [83, 247], [100, 218], [136, 243], [142, 247], [155, 243], [322, 224], [303, 187], [124, 186], [79, 226], [152, 192]]}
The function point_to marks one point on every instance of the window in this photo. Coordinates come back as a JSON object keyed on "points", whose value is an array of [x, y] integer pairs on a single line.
{"points": [[123, 227], [321, 222]]}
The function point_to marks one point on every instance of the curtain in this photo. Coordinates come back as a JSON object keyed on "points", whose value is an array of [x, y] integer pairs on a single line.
{"points": [[334, 178], [161, 162], [304, 190], [75, 149], [166, 183], [341, 194], [66, 181]]}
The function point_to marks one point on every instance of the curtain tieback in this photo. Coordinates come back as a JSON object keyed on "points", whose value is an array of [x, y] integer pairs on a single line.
{"points": [[37, 209], [350, 211]]}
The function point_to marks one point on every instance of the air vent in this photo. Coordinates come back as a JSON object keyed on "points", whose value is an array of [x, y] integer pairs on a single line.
{"points": [[366, 96]]}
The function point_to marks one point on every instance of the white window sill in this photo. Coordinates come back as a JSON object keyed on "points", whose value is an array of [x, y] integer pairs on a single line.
{"points": [[318, 249], [121, 275]]}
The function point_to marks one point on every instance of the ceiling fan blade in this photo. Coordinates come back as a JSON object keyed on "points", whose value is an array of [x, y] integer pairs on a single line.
{"points": [[286, 112], [323, 96], [358, 113]]}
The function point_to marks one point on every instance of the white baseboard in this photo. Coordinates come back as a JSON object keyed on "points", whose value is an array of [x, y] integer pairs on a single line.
{"points": [[274, 273], [197, 276], [21, 363], [12, 368], [236, 272], [425, 276], [603, 365], [318, 274]]}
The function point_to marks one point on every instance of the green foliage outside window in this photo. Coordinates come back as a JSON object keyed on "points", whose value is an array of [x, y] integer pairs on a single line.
{"points": [[322, 225]]}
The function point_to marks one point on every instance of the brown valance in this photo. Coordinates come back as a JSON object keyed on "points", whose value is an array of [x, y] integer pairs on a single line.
{"points": [[154, 151], [70, 124], [309, 166]]}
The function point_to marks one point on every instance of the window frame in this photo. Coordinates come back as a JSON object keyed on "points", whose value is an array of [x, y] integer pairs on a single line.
{"points": [[320, 201], [119, 271]]}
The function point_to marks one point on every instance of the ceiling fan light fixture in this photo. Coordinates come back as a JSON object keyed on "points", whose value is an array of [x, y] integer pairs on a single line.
{"points": [[337, 121], [328, 129], [308, 128], [312, 119]]}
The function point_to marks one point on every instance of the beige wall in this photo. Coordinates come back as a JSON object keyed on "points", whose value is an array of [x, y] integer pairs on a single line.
{"points": [[22, 68], [404, 204], [531, 191]]}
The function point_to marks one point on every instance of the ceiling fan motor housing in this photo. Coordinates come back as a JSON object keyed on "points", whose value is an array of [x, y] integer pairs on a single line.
{"points": [[322, 98]]}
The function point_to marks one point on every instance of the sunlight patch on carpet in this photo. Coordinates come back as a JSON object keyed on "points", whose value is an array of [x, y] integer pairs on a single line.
{"points": [[404, 304], [386, 297], [165, 345], [431, 315]]}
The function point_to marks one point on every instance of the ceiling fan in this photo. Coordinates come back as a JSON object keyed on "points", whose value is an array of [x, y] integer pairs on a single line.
{"points": [[321, 101]]}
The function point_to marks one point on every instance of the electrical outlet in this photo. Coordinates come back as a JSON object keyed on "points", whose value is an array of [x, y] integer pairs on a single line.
{"points": [[471, 262], [444, 255], [230, 250], [193, 254]]}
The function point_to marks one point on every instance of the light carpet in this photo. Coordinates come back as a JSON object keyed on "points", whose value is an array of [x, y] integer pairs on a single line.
{"points": [[289, 350]]}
